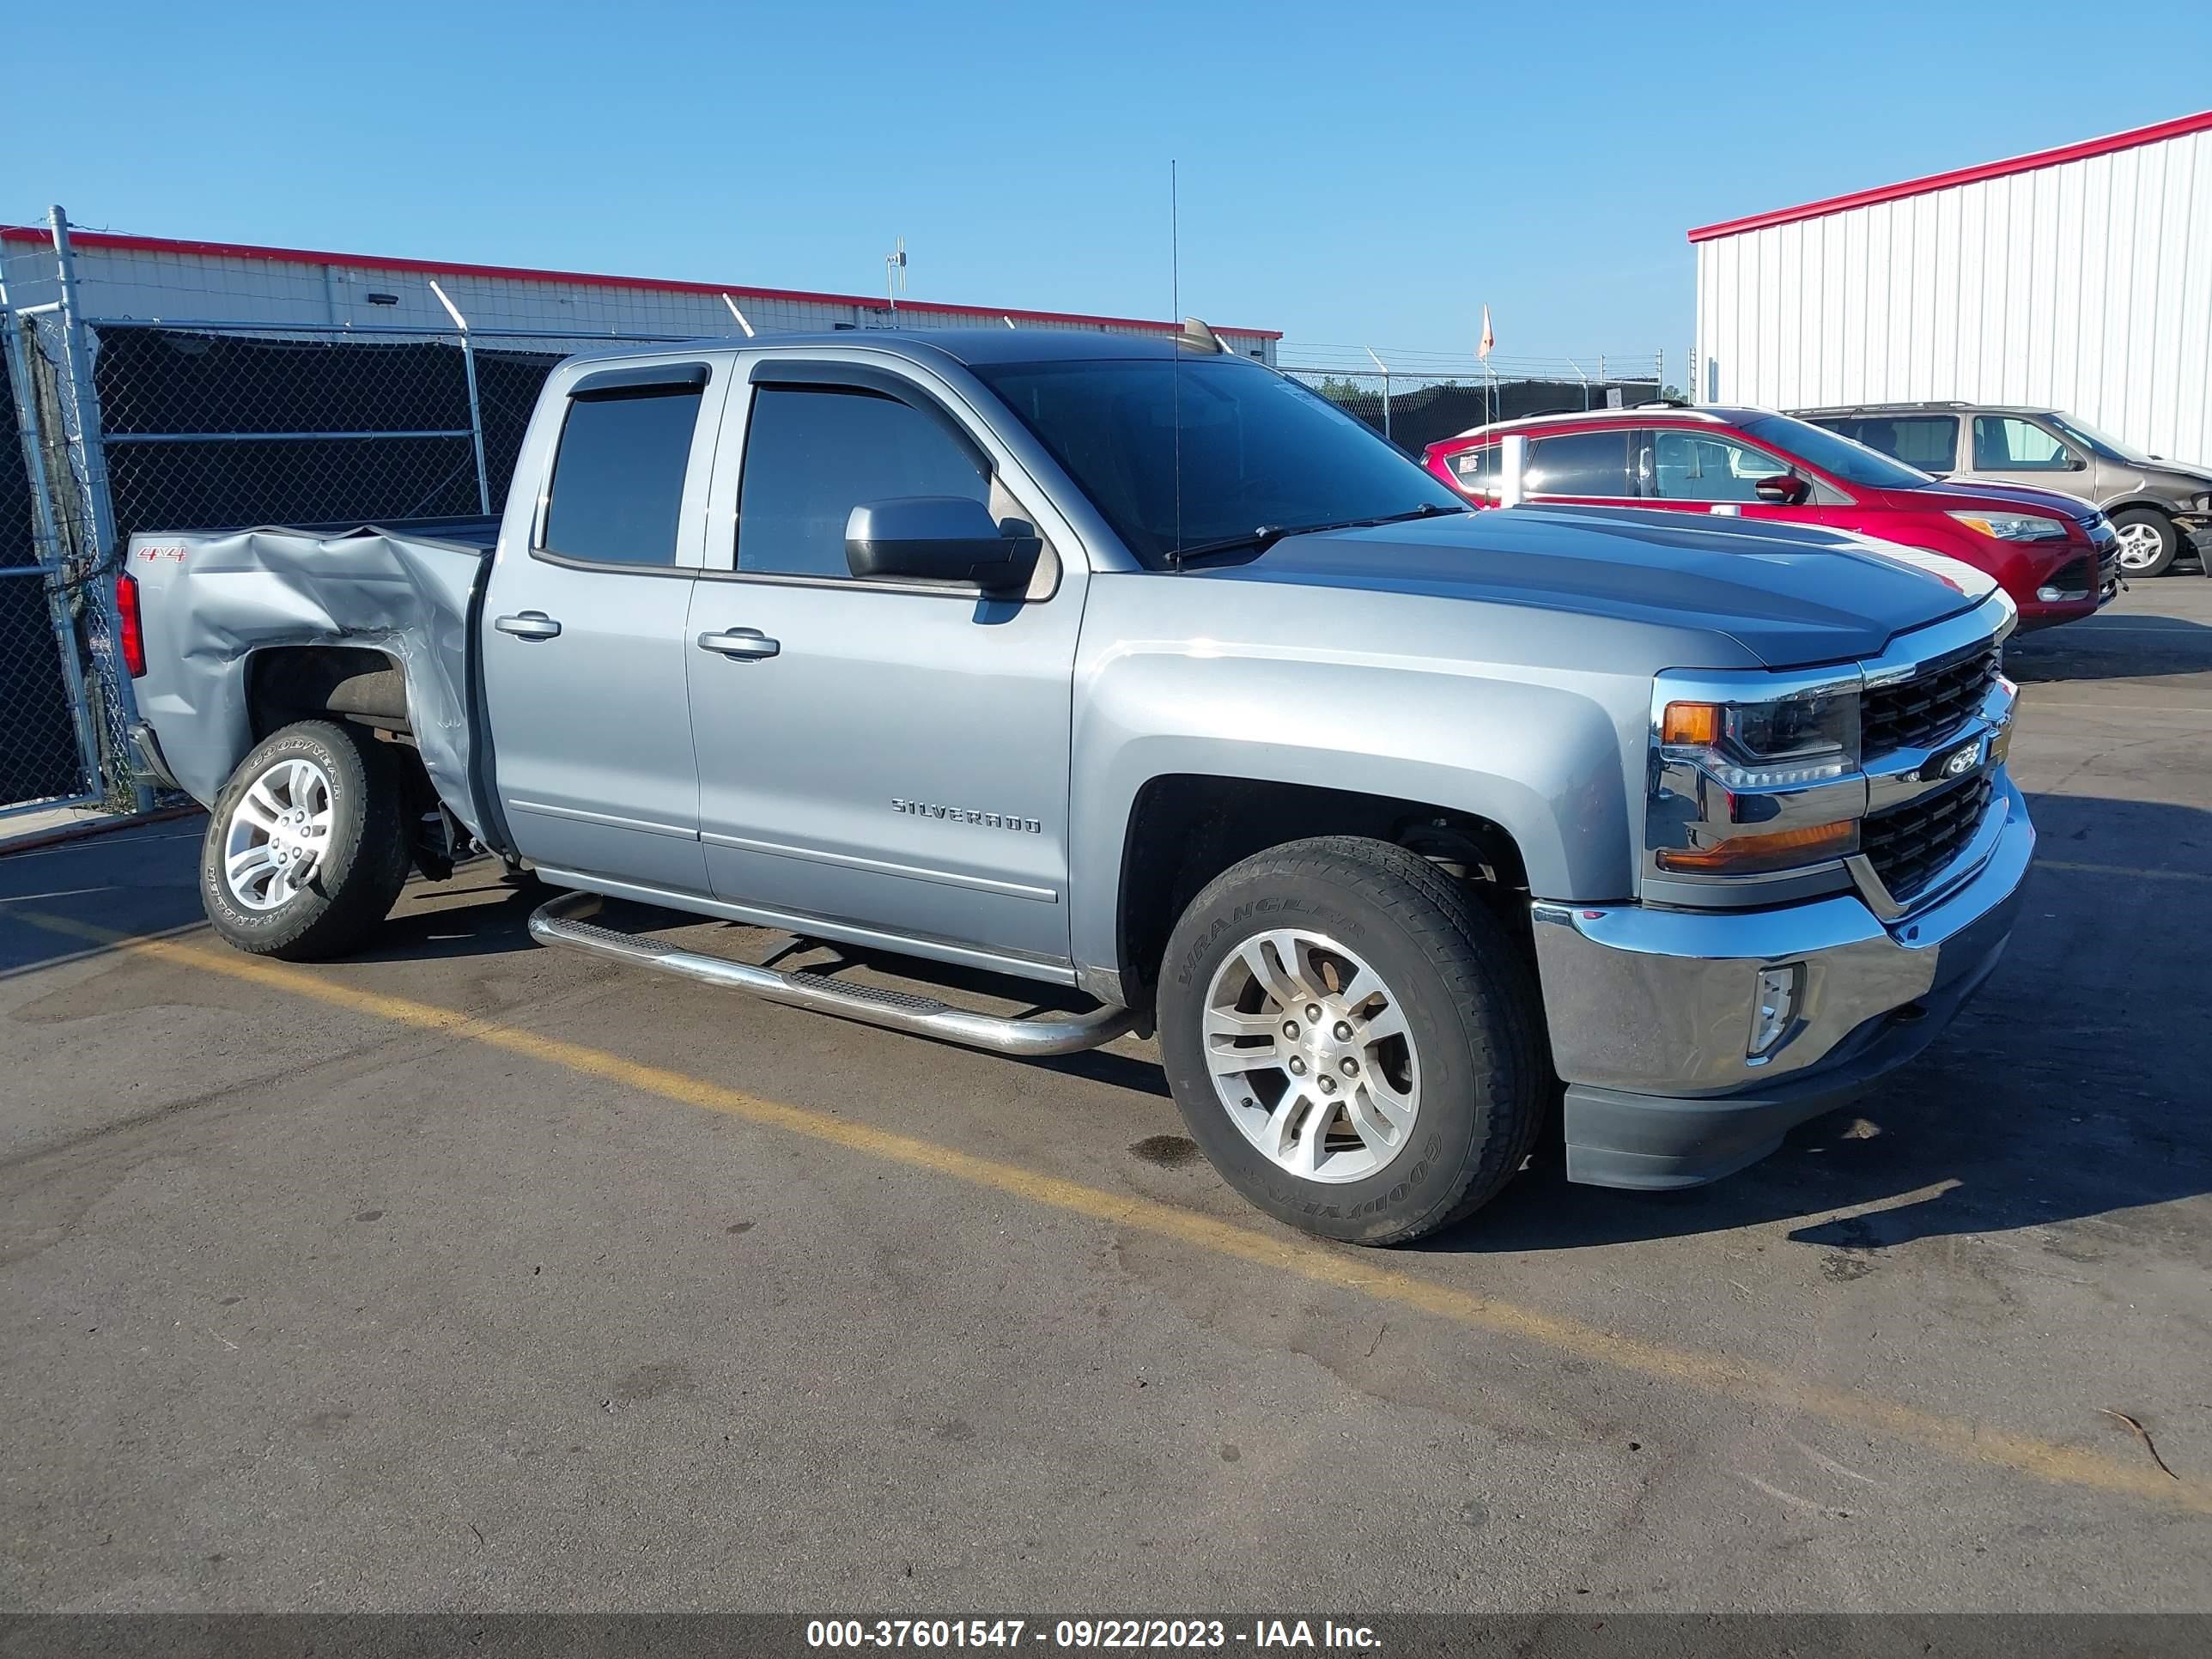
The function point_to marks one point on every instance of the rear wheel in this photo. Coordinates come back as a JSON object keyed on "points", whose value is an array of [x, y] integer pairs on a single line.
{"points": [[1354, 1045], [307, 846], [2148, 541]]}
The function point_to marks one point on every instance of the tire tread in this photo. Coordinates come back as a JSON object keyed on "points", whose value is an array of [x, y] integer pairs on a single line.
{"points": [[372, 863], [1490, 986]]}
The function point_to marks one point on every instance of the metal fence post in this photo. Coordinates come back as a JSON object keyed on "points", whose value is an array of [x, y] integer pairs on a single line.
{"points": [[1385, 369], [47, 545], [476, 408], [82, 399]]}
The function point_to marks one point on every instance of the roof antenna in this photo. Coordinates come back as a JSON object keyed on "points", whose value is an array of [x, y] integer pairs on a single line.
{"points": [[1175, 348]]}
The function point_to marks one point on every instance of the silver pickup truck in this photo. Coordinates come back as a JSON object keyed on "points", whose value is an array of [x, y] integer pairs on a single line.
{"points": [[1423, 838]]}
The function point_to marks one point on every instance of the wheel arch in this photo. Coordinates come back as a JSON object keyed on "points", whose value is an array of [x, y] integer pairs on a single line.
{"points": [[373, 687], [361, 685], [1181, 829]]}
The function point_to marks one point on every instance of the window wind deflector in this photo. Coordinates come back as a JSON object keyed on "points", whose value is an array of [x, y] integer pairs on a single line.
{"points": [[647, 378]]}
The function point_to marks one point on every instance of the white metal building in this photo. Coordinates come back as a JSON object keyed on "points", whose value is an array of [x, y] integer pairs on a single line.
{"points": [[2079, 278], [151, 278]]}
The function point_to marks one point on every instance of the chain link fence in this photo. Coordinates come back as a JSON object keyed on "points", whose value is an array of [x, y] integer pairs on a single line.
{"points": [[50, 751], [126, 426], [1421, 396]]}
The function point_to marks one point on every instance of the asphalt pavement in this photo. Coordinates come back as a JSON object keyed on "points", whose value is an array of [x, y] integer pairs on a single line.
{"points": [[470, 1275]]}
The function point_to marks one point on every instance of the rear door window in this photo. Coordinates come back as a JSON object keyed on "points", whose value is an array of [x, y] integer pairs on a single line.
{"points": [[1930, 442], [2006, 443], [1704, 467], [1599, 464], [814, 453], [618, 489], [1477, 470]]}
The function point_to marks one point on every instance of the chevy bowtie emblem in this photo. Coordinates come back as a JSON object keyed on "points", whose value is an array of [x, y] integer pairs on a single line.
{"points": [[1956, 765]]}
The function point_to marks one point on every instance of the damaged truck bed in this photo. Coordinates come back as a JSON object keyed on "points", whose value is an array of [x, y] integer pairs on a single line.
{"points": [[375, 622]]}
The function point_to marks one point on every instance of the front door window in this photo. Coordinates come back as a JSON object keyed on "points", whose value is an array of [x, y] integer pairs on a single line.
{"points": [[1704, 466]]}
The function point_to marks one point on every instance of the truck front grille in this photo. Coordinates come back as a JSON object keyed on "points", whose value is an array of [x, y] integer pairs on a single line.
{"points": [[1907, 844], [1920, 711]]}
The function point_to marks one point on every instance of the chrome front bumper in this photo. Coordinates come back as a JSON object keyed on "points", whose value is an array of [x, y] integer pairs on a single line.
{"points": [[1650, 1010]]}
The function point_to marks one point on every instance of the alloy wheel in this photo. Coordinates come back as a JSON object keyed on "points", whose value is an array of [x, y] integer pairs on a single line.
{"points": [[278, 832], [1310, 1055]]}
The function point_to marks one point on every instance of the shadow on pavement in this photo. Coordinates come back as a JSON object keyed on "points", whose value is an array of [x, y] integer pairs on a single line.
{"points": [[2126, 646], [135, 882], [2073, 1084]]}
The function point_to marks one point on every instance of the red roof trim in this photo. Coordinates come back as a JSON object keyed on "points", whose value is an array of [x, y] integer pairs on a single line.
{"points": [[124, 243], [2180, 127]]}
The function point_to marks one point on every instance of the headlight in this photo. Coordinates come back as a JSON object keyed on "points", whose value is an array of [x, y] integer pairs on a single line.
{"points": [[2014, 527], [1752, 774], [1778, 743]]}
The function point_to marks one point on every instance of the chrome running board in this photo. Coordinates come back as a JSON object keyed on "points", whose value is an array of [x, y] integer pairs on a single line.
{"points": [[561, 922]]}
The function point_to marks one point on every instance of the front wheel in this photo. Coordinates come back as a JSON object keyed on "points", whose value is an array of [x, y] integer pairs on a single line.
{"points": [[306, 848], [2150, 543], [1356, 1047]]}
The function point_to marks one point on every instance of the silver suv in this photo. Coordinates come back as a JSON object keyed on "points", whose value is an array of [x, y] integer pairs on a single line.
{"points": [[2162, 509]]}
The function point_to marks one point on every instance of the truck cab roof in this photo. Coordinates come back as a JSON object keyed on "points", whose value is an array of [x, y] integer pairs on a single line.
{"points": [[969, 346]]}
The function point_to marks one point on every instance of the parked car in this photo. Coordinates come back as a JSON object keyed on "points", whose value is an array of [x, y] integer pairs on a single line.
{"points": [[2162, 509], [1160, 681], [2054, 554]]}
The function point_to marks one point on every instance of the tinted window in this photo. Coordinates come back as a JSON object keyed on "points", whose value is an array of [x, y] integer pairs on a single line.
{"points": [[1700, 466], [1837, 457], [1580, 463], [1178, 458], [811, 456], [2005, 443], [1930, 442], [1477, 470], [619, 475]]}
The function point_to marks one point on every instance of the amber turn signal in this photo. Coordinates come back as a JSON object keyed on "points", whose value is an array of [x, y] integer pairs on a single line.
{"points": [[1693, 725], [1745, 855]]}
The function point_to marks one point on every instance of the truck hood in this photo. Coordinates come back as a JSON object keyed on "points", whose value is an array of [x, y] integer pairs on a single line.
{"points": [[1792, 595]]}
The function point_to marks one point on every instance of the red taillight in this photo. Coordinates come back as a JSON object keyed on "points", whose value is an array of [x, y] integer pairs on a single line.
{"points": [[129, 634]]}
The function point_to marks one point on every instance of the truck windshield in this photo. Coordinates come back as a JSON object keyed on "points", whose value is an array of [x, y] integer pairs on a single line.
{"points": [[1837, 456], [1253, 453]]}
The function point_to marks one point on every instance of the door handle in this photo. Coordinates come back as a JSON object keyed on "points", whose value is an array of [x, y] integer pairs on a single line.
{"points": [[748, 644], [529, 625]]}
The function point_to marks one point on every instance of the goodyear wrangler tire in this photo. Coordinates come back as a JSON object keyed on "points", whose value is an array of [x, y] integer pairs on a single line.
{"points": [[306, 846], [1357, 1047]]}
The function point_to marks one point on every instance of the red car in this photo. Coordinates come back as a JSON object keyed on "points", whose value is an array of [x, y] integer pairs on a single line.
{"points": [[2056, 555]]}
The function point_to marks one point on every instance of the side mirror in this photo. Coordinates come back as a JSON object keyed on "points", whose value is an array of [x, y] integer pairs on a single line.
{"points": [[937, 538], [1782, 490]]}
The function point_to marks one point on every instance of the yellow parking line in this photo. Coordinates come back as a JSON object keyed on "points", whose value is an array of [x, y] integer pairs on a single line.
{"points": [[1367, 1272]]}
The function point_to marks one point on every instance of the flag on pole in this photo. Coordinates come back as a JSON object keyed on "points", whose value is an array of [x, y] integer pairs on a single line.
{"points": [[1482, 350]]}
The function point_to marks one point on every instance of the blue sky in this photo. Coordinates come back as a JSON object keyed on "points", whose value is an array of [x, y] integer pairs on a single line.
{"points": [[1349, 174]]}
